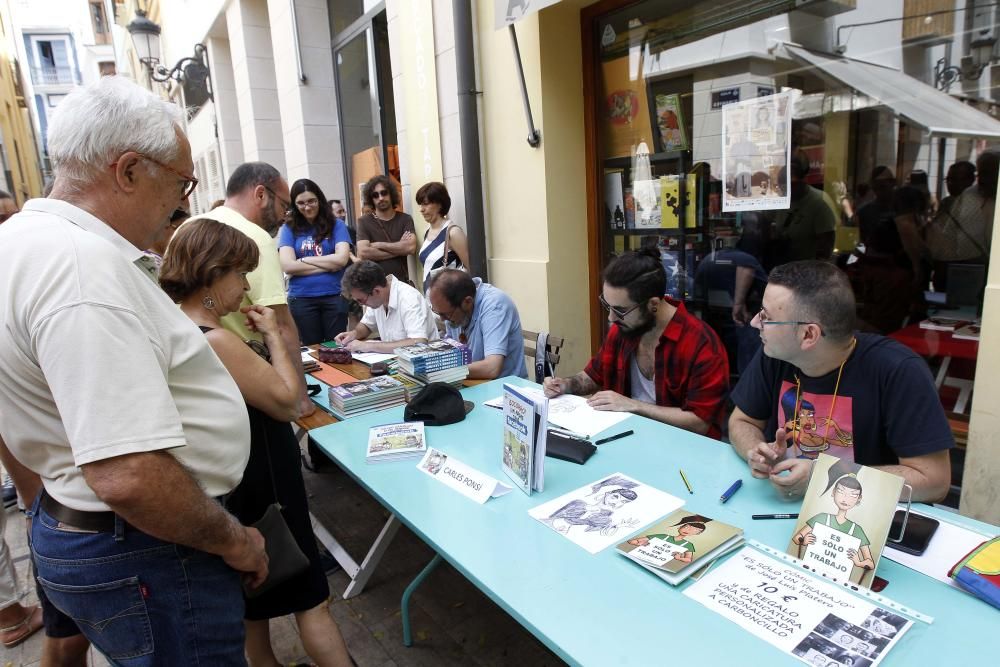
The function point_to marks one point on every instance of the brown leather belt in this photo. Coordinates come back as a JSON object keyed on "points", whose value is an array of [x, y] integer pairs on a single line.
{"points": [[102, 522]]}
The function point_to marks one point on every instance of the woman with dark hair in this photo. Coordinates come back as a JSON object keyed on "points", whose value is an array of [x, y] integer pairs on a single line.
{"points": [[205, 272], [314, 249], [445, 245]]}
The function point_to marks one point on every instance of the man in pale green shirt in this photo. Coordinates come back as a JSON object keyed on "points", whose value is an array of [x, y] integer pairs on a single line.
{"points": [[256, 200]]}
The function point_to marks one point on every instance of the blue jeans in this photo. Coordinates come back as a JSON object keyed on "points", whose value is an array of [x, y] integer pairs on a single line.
{"points": [[318, 318], [138, 599]]}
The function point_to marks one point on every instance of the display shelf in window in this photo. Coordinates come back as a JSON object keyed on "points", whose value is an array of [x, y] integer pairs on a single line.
{"points": [[654, 158]]}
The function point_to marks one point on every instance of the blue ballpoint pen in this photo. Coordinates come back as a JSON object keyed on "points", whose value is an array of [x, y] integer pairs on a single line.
{"points": [[731, 490]]}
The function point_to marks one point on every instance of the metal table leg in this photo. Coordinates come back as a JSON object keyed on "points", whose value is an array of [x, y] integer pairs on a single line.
{"points": [[405, 606]]}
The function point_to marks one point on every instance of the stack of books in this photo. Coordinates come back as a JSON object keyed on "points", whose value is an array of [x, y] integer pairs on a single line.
{"points": [[681, 544], [443, 360], [309, 363], [396, 442], [364, 396]]}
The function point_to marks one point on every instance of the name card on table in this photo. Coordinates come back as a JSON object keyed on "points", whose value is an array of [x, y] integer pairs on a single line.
{"points": [[468, 481]]}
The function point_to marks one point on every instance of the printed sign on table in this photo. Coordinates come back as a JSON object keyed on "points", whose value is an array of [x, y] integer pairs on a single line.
{"points": [[817, 622]]}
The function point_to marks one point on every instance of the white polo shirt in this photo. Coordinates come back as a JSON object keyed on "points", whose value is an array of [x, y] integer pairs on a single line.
{"points": [[406, 315], [97, 362]]}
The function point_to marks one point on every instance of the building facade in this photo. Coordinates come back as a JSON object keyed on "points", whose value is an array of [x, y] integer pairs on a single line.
{"points": [[22, 175], [63, 43]]}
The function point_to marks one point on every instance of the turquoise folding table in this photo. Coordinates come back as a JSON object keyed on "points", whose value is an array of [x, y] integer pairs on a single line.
{"points": [[603, 609]]}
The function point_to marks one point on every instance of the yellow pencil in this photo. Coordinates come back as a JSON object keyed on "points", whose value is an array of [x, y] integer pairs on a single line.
{"points": [[684, 477]]}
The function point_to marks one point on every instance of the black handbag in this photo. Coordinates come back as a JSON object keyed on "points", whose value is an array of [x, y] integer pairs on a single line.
{"points": [[284, 557]]}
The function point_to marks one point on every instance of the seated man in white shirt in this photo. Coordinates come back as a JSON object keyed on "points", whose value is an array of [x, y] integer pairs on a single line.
{"points": [[397, 311]]}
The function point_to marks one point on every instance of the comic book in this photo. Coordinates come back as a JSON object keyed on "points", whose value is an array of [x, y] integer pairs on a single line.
{"points": [[525, 424], [395, 442], [837, 535], [680, 544]]}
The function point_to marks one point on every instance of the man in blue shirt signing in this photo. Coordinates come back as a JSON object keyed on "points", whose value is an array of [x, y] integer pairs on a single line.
{"points": [[483, 317]]}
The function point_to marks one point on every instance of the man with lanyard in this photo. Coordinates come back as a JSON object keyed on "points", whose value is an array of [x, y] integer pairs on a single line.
{"points": [[874, 400], [658, 360], [482, 316], [386, 236]]}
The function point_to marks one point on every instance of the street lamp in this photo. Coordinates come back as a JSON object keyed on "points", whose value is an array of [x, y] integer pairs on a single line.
{"points": [[192, 71], [146, 39]]}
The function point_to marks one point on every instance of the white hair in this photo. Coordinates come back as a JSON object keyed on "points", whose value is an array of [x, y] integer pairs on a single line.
{"points": [[97, 123]]}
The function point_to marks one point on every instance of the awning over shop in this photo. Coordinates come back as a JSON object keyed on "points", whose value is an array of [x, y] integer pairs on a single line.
{"points": [[940, 113]]}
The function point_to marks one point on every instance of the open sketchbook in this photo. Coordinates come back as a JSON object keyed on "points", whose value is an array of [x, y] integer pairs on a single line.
{"points": [[680, 544], [571, 413]]}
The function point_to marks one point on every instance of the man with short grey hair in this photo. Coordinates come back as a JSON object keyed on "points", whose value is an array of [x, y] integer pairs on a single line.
{"points": [[113, 397], [256, 200]]}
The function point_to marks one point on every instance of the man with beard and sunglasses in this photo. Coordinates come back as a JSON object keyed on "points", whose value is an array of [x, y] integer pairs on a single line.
{"points": [[657, 360]]}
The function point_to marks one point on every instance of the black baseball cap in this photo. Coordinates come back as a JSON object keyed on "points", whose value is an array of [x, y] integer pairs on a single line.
{"points": [[437, 404]]}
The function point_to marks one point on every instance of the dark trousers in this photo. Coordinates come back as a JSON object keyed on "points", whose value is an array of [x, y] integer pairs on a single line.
{"points": [[318, 318]]}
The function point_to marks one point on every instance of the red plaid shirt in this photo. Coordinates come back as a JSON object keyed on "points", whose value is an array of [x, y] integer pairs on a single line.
{"points": [[691, 367]]}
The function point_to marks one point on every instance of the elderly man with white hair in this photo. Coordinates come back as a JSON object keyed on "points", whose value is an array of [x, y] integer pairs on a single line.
{"points": [[113, 397]]}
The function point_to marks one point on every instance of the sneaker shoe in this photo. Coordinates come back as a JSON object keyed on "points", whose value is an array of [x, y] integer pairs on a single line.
{"points": [[9, 492]]}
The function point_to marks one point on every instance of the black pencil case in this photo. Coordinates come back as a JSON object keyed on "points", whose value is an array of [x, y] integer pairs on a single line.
{"points": [[568, 449]]}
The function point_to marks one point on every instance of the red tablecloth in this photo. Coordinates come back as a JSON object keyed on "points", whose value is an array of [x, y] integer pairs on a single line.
{"points": [[929, 343]]}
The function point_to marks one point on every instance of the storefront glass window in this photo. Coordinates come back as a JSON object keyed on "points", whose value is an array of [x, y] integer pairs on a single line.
{"points": [[756, 133]]}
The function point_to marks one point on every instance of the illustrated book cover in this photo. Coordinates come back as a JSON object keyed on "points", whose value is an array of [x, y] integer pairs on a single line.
{"points": [[845, 519], [525, 423], [395, 442], [680, 544]]}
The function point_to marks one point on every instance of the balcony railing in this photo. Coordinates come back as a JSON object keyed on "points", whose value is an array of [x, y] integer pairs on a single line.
{"points": [[41, 76]]}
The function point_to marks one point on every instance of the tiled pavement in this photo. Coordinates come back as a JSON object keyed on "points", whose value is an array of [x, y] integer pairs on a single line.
{"points": [[453, 622]]}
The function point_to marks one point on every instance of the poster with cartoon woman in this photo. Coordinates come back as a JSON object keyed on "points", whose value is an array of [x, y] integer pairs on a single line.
{"points": [[844, 520]]}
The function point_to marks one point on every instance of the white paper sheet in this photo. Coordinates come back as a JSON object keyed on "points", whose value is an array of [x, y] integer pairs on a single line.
{"points": [[816, 622], [949, 545], [370, 358], [571, 413], [601, 514]]}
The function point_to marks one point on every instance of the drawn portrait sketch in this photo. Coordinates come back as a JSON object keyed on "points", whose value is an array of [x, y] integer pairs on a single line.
{"points": [[606, 497], [593, 515]]}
